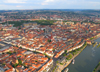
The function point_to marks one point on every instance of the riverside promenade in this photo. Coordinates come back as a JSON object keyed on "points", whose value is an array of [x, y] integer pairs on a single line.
{"points": [[61, 67]]}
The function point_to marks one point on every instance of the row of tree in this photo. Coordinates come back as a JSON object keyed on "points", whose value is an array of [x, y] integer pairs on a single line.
{"points": [[41, 22]]}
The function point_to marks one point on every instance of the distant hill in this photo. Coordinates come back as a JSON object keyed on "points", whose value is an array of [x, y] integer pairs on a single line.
{"points": [[82, 10], [91, 11]]}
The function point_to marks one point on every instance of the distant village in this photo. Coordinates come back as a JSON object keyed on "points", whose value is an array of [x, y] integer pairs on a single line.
{"points": [[93, 17]]}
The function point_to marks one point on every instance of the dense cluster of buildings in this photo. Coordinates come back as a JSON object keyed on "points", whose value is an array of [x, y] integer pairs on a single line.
{"points": [[35, 47], [48, 15]]}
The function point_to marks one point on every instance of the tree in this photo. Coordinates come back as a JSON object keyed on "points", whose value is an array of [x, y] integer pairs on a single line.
{"points": [[35, 60], [19, 28], [21, 47], [18, 57], [64, 54], [45, 54], [91, 38], [3, 53], [20, 62], [61, 63], [48, 57], [34, 51], [24, 64], [10, 52], [16, 45], [2, 29], [53, 49], [14, 51], [28, 50], [3, 64], [56, 61], [65, 51], [49, 41], [38, 30], [69, 56], [15, 65], [44, 30]]}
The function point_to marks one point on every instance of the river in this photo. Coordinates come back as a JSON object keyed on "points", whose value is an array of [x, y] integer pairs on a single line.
{"points": [[87, 60]]}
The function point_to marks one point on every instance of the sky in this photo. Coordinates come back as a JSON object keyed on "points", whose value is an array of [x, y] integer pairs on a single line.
{"points": [[49, 4]]}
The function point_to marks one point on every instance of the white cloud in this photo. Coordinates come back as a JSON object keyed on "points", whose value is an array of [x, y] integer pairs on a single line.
{"points": [[15, 1], [46, 2], [18, 6], [94, 2], [2, 5], [49, 0], [50, 4]]}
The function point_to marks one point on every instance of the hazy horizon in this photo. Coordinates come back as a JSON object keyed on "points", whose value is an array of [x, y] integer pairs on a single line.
{"points": [[49, 9]]}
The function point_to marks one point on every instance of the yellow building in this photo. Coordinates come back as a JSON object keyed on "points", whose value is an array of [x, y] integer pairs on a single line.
{"points": [[29, 24], [69, 22]]}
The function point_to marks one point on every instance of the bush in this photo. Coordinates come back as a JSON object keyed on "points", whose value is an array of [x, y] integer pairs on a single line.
{"points": [[91, 38], [35, 60], [28, 50], [56, 61], [2, 29], [16, 46], [9, 52], [96, 67], [64, 54], [14, 51], [54, 69], [49, 41], [20, 62], [3, 53], [15, 65], [53, 49], [3, 64], [61, 63], [69, 56], [65, 51], [21, 47]]}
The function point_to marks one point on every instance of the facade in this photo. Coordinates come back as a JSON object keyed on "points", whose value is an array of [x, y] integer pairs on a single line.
{"points": [[29, 24]]}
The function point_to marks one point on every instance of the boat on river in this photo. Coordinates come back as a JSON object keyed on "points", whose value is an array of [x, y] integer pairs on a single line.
{"points": [[66, 70], [73, 61]]}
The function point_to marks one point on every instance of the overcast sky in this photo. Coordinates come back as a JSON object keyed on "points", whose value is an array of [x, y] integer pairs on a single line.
{"points": [[49, 4]]}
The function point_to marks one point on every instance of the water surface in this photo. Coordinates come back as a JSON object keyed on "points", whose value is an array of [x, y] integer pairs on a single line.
{"points": [[86, 60]]}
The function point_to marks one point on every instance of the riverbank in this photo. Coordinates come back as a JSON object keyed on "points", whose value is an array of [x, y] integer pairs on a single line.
{"points": [[95, 38], [62, 67], [98, 45], [87, 60], [97, 68], [94, 44]]}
